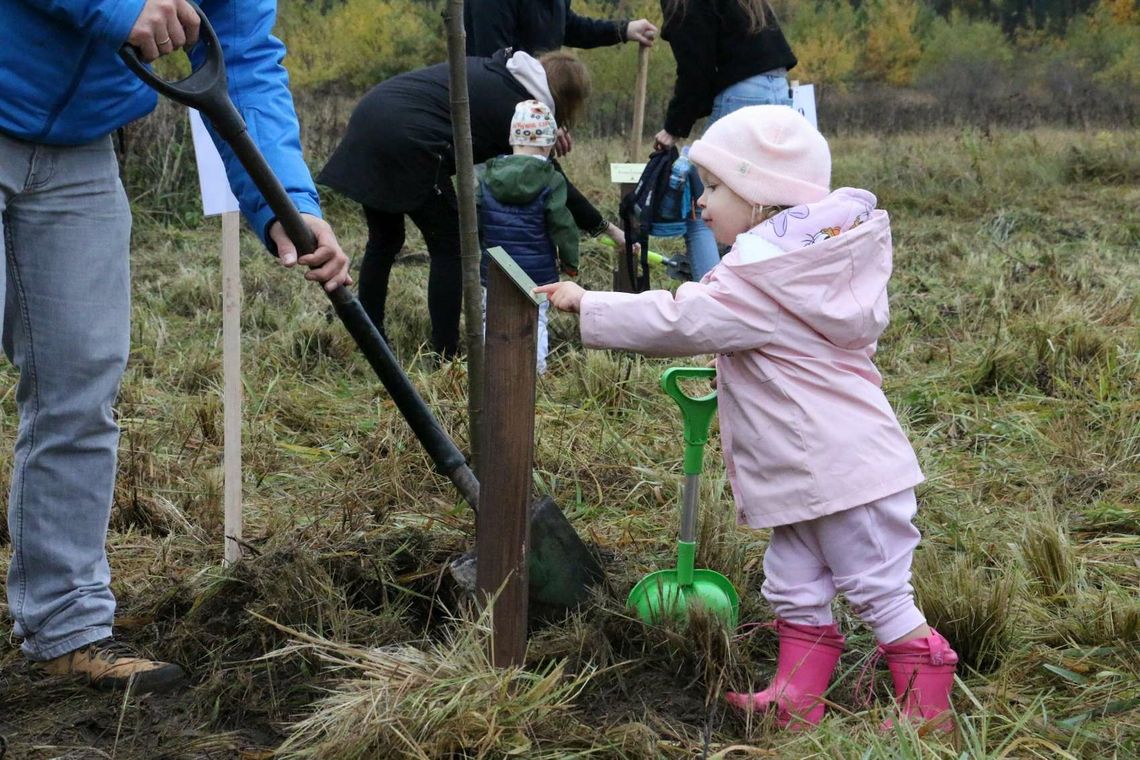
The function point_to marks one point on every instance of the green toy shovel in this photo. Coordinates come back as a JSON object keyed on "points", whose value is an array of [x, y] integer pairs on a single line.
{"points": [[673, 593]]}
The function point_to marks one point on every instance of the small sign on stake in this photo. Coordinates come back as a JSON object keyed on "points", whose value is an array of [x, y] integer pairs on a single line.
{"points": [[217, 198], [626, 174]]}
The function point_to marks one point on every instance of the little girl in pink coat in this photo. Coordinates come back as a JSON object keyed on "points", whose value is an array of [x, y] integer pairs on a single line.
{"points": [[811, 445]]}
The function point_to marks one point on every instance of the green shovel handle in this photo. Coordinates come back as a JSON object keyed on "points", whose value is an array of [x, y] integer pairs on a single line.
{"points": [[697, 412]]}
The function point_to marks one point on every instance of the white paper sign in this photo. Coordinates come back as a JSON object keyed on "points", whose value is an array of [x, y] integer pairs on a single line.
{"points": [[217, 198], [626, 173], [803, 100]]}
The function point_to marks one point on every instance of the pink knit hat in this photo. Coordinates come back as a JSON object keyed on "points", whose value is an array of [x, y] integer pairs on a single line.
{"points": [[768, 155], [533, 124]]}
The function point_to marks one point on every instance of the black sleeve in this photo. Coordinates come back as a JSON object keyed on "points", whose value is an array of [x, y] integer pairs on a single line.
{"points": [[586, 217], [582, 32], [693, 37], [490, 25]]}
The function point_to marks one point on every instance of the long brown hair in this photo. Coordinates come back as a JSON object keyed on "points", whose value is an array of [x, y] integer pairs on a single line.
{"points": [[758, 12], [569, 84]]}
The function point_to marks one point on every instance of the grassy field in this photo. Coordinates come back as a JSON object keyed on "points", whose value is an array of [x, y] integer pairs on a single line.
{"points": [[1012, 359]]}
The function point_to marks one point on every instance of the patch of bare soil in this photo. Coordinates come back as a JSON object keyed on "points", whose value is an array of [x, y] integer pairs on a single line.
{"points": [[366, 589]]}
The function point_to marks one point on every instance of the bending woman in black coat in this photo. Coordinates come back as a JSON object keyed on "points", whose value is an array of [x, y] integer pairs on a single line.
{"points": [[396, 158]]}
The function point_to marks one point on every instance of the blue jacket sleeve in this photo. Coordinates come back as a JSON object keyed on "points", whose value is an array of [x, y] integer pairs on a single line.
{"points": [[109, 20], [259, 87]]}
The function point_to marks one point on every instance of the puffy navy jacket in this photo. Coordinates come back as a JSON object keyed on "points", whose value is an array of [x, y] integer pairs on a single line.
{"points": [[521, 231], [62, 83]]}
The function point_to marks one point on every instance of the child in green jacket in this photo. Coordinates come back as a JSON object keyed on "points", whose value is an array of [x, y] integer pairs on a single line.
{"points": [[522, 208]]}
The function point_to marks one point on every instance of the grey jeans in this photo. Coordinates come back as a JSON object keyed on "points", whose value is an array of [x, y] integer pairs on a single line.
{"points": [[66, 239]]}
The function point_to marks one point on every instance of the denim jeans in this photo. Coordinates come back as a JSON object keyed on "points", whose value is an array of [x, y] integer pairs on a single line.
{"points": [[66, 238], [763, 89]]}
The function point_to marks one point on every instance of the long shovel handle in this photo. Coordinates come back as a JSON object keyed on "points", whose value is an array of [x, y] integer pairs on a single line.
{"points": [[205, 90], [639, 103], [697, 413]]}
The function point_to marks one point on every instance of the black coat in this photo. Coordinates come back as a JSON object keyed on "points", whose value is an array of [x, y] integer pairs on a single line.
{"points": [[398, 146], [714, 49], [534, 26]]}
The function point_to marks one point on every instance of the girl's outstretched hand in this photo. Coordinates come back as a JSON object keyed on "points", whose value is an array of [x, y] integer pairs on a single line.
{"points": [[564, 296]]}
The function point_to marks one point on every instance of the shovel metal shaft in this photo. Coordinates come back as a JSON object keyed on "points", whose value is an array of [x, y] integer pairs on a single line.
{"points": [[687, 546], [689, 507]]}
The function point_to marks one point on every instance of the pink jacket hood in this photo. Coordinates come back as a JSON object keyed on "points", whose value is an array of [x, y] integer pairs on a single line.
{"points": [[839, 291], [805, 428]]}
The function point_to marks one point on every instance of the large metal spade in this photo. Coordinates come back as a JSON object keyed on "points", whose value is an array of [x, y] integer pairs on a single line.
{"points": [[672, 594], [562, 567]]}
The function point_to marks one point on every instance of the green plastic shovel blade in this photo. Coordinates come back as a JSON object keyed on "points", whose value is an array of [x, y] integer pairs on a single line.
{"points": [[661, 596]]}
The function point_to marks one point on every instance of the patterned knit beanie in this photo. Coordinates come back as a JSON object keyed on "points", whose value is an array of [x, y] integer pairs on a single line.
{"points": [[533, 125], [768, 155]]}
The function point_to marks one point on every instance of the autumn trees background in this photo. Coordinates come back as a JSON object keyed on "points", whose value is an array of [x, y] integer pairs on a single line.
{"points": [[891, 64]]}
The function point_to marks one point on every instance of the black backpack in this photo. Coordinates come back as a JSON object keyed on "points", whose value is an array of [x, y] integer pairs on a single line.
{"points": [[654, 206]]}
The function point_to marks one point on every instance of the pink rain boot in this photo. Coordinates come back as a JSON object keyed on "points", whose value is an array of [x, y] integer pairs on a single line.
{"points": [[808, 656], [923, 674]]}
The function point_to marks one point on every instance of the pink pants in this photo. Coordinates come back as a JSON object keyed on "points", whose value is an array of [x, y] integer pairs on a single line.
{"points": [[864, 552]]}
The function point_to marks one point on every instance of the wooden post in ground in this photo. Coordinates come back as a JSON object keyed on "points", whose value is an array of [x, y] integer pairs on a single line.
{"points": [[623, 278], [502, 528], [231, 382]]}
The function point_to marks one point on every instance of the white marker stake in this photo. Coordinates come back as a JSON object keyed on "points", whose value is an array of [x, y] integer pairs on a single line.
{"points": [[231, 383], [218, 199]]}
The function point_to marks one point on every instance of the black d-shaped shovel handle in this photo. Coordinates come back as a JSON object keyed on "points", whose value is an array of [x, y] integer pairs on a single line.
{"points": [[205, 90]]}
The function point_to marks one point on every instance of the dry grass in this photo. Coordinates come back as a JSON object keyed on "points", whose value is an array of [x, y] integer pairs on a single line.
{"points": [[439, 700], [1013, 359]]}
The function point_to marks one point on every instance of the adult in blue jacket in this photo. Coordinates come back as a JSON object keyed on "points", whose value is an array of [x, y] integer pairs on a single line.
{"points": [[65, 227]]}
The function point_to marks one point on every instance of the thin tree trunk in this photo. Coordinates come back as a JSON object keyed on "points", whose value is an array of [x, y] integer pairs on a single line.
{"points": [[468, 224]]}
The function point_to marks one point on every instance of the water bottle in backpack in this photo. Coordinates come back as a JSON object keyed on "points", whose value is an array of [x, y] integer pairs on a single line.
{"points": [[680, 173]]}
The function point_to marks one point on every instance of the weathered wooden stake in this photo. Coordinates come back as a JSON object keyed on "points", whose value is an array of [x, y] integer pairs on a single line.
{"points": [[502, 529]]}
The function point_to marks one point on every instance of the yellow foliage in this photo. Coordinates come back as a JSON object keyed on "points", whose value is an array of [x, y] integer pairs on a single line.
{"points": [[893, 46], [359, 42], [1123, 12], [826, 41]]}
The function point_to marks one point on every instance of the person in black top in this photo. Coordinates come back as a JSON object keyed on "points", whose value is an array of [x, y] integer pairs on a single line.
{"points": [[396, 158], [730, 54], [539, 26]]}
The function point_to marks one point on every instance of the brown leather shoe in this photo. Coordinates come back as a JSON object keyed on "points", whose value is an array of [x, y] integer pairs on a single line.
{"points": [[111, 665]]}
